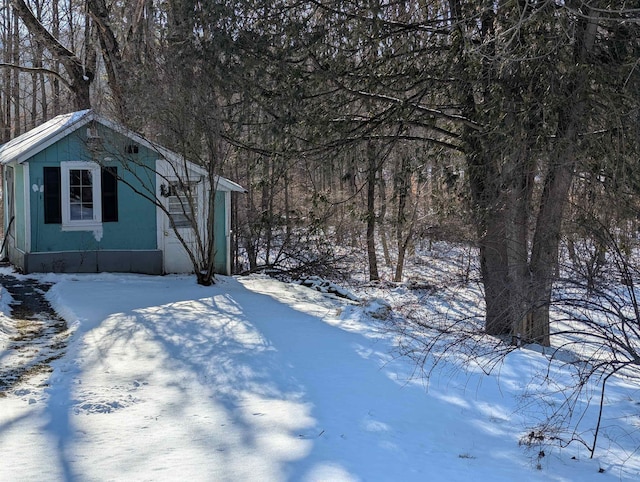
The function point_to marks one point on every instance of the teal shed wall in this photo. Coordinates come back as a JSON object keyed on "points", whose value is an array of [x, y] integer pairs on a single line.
{"points": [[136, 228], [220, 234]]}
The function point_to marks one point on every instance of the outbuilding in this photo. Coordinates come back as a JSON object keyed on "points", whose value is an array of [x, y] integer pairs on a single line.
{"points": [[82, 193]]}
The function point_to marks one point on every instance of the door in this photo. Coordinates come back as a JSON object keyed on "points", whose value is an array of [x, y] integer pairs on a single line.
{"points": [[184, 204]]}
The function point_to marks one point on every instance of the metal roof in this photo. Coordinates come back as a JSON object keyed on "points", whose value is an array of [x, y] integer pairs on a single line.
{"points": [[31, 142], [39, 138]]}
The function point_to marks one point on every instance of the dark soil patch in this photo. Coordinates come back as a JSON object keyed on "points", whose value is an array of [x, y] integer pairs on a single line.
{"points": [[41, 334]]}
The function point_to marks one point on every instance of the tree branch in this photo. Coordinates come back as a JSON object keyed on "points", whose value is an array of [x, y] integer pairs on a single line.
{"points": [[420, 108], [37, 70], [80, 77]]}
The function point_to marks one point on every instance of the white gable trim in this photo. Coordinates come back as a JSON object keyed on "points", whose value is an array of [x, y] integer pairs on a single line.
{"points": [[224, 184], [27, 207], [227, 229]]}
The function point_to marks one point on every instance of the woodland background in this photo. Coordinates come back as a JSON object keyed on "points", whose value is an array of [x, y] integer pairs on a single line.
{"points": [[368, 127]]}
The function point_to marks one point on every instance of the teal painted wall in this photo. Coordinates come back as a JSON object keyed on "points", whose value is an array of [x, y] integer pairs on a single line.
{"points": [[220, 238], [136, 227]]}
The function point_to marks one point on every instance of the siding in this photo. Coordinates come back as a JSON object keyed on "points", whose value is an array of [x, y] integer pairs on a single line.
{"points": [[220, 235], [136, 227]]}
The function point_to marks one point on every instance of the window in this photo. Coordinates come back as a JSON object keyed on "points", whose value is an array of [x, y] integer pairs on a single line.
{"points": [[81, 192], [182, 204], [80, 195], [81, 202]]}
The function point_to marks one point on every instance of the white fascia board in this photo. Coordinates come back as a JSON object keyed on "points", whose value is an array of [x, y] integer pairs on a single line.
{"points": [[227, 230], [27, 207], [224, 184]]}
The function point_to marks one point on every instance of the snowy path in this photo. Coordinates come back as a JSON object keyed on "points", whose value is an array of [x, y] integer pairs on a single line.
{"points": [[39, 335]]}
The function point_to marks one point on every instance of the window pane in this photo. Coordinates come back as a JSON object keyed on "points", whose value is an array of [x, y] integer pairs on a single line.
{"points": [[81, 211], [86, 177], [75, 211], [87, 194], [74, 177], [75, 193], [87, 211], [80, 195], [181, 220], [181, 207]]}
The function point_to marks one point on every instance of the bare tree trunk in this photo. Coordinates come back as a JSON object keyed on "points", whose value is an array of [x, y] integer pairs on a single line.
{"points": [[287, 206], [266, 204], [371, 213], [7, 39], [55, 27], [382, 221], [37, 80], [111, 53], [493, 266], [15, 86], [562, 163], [546, 240], [407, 242], [403, 236], [501, 161], [80, 76]]}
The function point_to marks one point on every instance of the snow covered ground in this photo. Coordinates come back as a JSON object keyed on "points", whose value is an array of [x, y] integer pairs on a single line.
{"points": [[257, 380]]}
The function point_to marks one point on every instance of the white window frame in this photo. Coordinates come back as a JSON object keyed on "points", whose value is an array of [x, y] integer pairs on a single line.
{"points": [[69, 224]]}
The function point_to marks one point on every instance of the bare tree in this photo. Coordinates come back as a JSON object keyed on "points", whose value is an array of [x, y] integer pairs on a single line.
{"points": [[79, 75]]}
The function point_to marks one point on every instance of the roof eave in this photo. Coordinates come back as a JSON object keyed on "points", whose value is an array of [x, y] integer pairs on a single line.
{"points": [[84, 118], [228, 185]]}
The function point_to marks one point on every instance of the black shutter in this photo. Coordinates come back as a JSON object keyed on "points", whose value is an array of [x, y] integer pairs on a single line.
{"points": [[52, 196], [109, 194]]}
